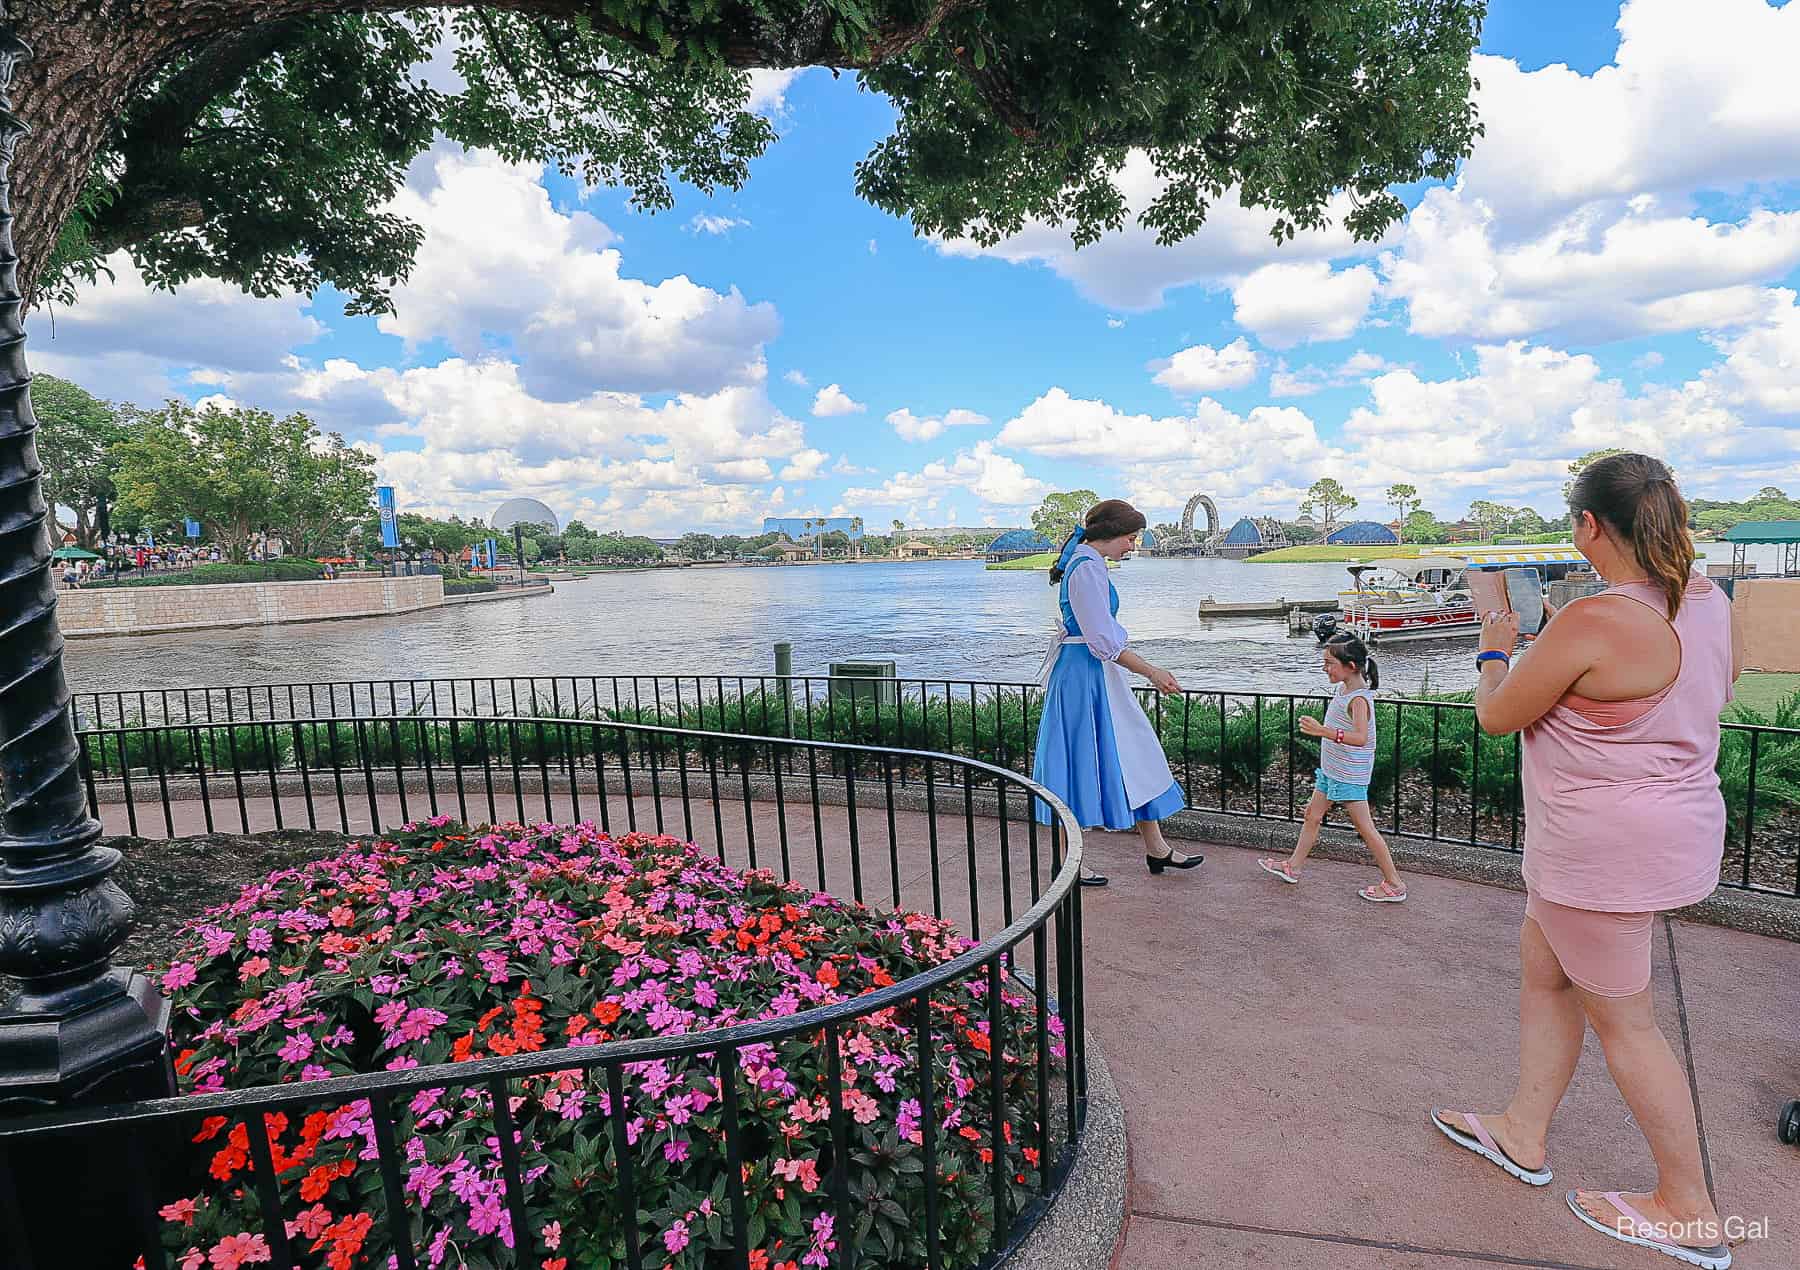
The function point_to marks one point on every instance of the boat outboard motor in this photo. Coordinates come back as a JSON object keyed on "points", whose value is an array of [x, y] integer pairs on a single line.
{"points": [[1325, 626]]}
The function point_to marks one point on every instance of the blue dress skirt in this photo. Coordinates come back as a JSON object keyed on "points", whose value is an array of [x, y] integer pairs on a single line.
{"points": [[1096, 749]]}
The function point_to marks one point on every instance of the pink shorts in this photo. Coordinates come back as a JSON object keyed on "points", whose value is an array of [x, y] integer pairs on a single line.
{"points": [[1608, 954]]}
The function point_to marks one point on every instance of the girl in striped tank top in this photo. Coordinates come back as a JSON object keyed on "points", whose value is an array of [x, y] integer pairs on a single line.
{"points": [[1346, 763]]}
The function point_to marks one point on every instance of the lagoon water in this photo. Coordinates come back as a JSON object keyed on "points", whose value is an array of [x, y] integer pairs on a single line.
{"points": [[948, 619]]}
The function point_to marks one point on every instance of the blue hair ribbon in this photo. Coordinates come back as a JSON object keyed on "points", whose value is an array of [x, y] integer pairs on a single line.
{"points": [[1075, 540]]}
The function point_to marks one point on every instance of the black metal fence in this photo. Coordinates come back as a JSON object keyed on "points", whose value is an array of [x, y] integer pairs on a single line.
{"points": [[832, 815], [1437, 776]]}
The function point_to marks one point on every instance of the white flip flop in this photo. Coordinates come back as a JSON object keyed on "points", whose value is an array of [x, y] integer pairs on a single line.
{"points": [[1483, 1144], [1717, 1257]]}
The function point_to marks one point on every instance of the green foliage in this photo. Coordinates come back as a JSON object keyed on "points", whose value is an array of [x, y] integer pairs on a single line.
{"points": [[240, 472], [1768, 503], [1578, 466], [76, 433], [284, 570], [1059, 515], [1777, 765], [268, 156], [1423, 527], [469, 586]]}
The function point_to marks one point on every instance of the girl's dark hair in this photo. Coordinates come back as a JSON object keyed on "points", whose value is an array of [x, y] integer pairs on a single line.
{"points": [[1108, 518], [1635, 496], [1352, 652]]}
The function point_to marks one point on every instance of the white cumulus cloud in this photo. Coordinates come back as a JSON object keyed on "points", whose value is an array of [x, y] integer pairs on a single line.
{"points": [[910, 427], [1203, 368], [832, 400], [1297, 303]]}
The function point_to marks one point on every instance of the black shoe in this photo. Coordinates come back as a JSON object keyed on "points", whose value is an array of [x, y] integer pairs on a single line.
{"points": [[1172, 861], [1094, 879]]}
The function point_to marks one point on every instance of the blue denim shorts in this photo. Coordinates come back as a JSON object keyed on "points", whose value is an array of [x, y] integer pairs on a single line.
{"points": [[1340, 791]]}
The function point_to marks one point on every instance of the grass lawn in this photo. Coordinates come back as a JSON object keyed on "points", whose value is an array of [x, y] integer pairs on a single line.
{"points": [[1762, 690], [1040, 562]]}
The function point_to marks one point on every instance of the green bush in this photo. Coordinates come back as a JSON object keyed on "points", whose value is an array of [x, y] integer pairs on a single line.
{"points": [[1777, 762], [469, 586], [215, 574]]}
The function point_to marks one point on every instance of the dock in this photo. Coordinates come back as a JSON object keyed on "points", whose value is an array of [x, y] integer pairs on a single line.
{"points": [[1210, 607]]}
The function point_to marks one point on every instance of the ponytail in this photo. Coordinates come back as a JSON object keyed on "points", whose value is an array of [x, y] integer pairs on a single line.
{"points": [[1353, 653], [1636, 496], [1062, 558]]}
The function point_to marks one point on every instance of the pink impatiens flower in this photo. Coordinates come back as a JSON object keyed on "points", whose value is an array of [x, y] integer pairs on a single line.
{"points": [[179, 975], [239, 1250], [675, 1238], [298, 1049]]}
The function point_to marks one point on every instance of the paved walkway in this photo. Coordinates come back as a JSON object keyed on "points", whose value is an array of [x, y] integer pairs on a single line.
{"points": [[1278, 1048]]}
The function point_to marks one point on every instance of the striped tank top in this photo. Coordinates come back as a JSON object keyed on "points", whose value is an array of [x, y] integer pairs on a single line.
{"points": [[1352, 764]]}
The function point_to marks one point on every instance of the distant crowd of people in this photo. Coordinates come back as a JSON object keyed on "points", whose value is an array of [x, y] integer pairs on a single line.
{"points": [[77, 573]]}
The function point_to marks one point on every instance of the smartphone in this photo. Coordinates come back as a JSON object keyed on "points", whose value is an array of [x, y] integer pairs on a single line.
{"points": [[1518, 591]]}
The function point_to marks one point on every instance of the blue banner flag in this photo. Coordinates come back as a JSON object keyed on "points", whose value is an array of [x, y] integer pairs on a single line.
{"points": [[490, 553], [390, 531], [193, 527]]}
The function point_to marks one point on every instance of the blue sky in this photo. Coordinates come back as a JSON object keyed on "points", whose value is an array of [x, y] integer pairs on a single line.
{"points": [[1616, 264]]}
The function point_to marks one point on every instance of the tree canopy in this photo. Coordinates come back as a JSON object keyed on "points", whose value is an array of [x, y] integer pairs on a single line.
{"points": [[1059, 514], [259, 141], [241, 472], [76, 433]]}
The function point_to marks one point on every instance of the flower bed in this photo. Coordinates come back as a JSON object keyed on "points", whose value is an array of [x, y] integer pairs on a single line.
{"points": [[441, 944]]}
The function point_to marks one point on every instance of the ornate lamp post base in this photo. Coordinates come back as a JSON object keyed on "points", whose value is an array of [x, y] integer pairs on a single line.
{"points": [[112, 1051], [73, 1028]]}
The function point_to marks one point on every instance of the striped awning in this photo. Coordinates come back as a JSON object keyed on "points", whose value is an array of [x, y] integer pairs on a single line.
{"points": [[1500, 557]]}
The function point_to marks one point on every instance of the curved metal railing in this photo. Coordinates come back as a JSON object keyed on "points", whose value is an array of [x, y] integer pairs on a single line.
{"points": [[624, 774]]}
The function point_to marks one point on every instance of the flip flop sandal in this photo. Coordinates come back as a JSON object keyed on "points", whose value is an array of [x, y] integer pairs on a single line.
{"points": [[1278, 869], [1717, 1257], [1382, 893], [1483, 1144]]}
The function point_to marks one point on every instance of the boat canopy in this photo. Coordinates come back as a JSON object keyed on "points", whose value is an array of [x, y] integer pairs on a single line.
{"points": [[1411, 566], [1500, 557]]}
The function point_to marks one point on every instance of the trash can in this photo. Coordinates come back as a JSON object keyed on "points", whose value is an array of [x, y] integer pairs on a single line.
{"points": [[876, 681]]}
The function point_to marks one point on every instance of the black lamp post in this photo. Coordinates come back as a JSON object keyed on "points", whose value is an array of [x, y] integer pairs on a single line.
{"points": [[519, 547], [73, 1028]]}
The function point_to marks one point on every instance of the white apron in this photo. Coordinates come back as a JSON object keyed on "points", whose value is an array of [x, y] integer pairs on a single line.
{"points": [[1141, 759]]}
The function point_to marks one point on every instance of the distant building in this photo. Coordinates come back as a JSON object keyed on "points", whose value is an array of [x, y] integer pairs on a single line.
{"points": [[1252, 536], [523, 511], [1362, 533], [1015, 544], [916, 550]]}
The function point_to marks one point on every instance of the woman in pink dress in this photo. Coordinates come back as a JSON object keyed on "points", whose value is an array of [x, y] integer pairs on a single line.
{"points": [[1619, 703]]}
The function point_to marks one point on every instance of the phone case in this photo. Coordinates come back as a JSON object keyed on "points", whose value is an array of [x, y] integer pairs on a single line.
{"points": [[1488, 590], [1525, 596]]}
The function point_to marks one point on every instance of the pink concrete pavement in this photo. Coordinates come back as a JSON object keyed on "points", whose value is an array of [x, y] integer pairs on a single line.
{"points": [[1279, 1048]]}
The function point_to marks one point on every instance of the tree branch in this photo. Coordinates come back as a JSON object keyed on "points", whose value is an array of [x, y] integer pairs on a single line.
{"points": [[218, 68], [122, 224]]}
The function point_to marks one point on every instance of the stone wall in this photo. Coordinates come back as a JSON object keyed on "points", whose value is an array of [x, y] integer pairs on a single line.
{"points": [[143, 610], [1768, 610]]}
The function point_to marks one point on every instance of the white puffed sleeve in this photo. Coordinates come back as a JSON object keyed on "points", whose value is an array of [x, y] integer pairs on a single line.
{"points": [[1090, 596]]}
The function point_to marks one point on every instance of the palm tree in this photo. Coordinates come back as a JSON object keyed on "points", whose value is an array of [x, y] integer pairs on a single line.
{"points": [[856, 527]]}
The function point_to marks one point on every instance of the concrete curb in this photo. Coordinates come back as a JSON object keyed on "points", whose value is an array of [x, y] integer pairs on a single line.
{"points": [[1773, 915], [1751, 911], [1085, 1223], [510, 593]]}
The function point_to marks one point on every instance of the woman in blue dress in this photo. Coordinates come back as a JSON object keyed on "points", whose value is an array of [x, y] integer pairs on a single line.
{"points": [[1096, 749]]}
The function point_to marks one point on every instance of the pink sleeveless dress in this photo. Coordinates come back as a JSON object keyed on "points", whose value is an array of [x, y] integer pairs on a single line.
{"points": [[1623, 815]]}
